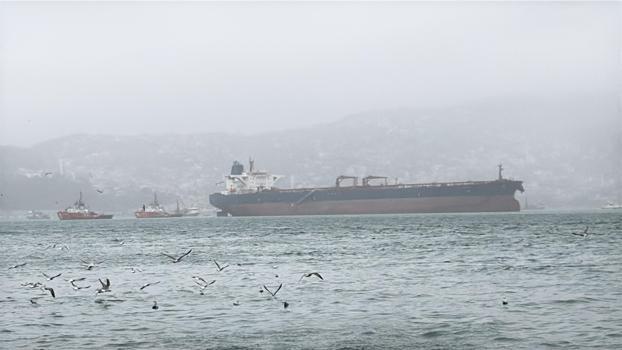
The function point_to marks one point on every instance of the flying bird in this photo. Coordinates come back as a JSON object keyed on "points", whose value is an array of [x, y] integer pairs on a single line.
{"points": [[199, 280], [99, 191], [149, 284], [61, 247], [16, 266], [276, 291], [202, 283], [49, 278], [77, 287], [51, 290], [32, 285], [584, 234], [176, 260], [72, 280], [105, 286], [47, 173], [90, 265], [311, 274], [219, 267]]}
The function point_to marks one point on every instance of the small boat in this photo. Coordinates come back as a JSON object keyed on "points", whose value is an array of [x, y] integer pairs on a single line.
{"points": [[611, 205], [80, 211], [186, 211], [37, 215], [154, 210]]}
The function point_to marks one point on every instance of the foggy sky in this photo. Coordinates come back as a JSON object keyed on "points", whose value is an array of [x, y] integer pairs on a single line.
{"points": [[137, 68]]}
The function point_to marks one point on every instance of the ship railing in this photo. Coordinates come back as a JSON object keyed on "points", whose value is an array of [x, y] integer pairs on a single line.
{"points": [[420, 185]]}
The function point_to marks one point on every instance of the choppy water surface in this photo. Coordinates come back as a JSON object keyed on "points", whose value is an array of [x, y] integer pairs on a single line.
{"points": [[433, 281]]}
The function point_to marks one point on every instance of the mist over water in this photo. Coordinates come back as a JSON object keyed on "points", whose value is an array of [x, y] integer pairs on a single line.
{"points": [[390, 281], [118, 101]]}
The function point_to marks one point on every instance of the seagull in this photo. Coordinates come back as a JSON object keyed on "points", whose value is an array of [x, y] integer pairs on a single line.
{"points": [[504, 301], [176, 260], [72, 280], [584, 234], [50, 277], [311, 274], [236, 303], [47, 173], [105, 286], [61, 247], [99, 191], [148, 284], [16, 266], [202, 283], [155, 305], [199, 280], [135, 269], [219, 267], [276, 291], [51, 290], [205, 283], [285, 304], [89, 265], [32, 301], [32, 285], [77, 287]]}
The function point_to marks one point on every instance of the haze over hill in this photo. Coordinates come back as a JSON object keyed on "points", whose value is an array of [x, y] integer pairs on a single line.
{"points": [[566, 150]]}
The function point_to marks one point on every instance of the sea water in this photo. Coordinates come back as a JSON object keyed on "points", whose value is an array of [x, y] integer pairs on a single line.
{"points": [[389, 281]]}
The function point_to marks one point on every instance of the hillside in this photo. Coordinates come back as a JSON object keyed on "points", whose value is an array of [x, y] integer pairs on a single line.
{"points": [[567, 151]]}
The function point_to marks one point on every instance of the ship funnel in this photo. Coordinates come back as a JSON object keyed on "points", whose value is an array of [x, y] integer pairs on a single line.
{"points": [[237, 168]]}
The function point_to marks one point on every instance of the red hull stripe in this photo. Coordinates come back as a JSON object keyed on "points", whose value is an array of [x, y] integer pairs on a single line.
{"points": [[456, 204]]}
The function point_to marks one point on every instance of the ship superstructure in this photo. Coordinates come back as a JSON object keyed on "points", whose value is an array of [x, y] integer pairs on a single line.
{"points": [[240, 182]]}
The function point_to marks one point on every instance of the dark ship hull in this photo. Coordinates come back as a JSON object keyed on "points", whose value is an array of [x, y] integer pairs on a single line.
{"points": [[453, 197]]}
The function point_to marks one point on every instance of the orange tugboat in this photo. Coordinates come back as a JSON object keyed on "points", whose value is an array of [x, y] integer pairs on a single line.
{"points": [[80, 211], [154, 210]]}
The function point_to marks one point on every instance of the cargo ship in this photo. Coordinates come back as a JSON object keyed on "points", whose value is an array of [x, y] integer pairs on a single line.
{"points": [[154, 210], [80, 211], [253, 193]]}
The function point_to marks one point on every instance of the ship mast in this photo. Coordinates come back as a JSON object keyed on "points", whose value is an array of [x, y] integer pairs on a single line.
{"points": [[500, 166]]}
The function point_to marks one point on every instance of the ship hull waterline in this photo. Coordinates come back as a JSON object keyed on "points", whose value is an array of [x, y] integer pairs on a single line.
{"points": [[65, 216], [148, 215], [446, 204]]}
